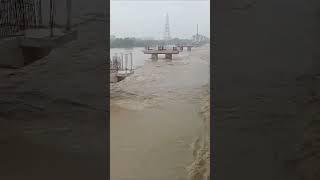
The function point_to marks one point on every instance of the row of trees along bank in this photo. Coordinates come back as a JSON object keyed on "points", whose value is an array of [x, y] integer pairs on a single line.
{"points": [[135, 42]]}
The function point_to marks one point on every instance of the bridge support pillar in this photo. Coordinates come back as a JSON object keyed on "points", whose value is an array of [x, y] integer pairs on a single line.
{"points": [[169, 56], [154, 56]]}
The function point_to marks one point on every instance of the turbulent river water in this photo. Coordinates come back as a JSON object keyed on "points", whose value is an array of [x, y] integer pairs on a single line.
{"points": [[156, 119]]}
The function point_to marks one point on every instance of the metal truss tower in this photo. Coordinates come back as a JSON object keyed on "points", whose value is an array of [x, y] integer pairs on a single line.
{"points": [[167, 29]]}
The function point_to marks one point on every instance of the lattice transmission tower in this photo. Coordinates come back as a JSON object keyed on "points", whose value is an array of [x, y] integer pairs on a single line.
{"points": [[167, 29]]}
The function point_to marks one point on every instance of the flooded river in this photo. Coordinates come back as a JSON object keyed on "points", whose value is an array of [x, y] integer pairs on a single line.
{"points": [[155, 116]]}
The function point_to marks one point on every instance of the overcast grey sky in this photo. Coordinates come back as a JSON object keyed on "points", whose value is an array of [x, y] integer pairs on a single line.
{"points": [[141, 18]]}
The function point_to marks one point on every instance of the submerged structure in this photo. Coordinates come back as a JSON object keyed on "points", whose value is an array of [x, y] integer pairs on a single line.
{"points": [[121, 67], [167, 51]]}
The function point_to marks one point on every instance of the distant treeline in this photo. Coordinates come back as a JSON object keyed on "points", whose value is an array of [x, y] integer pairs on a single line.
{"points": [[134, 42]]}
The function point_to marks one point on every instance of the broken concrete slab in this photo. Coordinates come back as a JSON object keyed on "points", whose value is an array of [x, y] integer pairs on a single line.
{"points": [[11, 54], [40, 38], [33, 45]]}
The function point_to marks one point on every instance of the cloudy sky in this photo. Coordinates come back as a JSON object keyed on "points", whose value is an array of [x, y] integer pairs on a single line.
{"points": [[142, 18]]}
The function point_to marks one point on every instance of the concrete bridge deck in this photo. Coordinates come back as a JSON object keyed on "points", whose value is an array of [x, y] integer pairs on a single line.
{"points": [[187, 46], [160, 51], [154, 53]]}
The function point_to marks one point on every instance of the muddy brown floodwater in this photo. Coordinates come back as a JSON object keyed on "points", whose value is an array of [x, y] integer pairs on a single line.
{"points": [[156, 121]]}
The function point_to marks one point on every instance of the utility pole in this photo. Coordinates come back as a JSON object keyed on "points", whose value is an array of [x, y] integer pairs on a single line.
{"points": [[197, 38], [69, 4], [39, 13], [197, 30], [51, 17]]}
